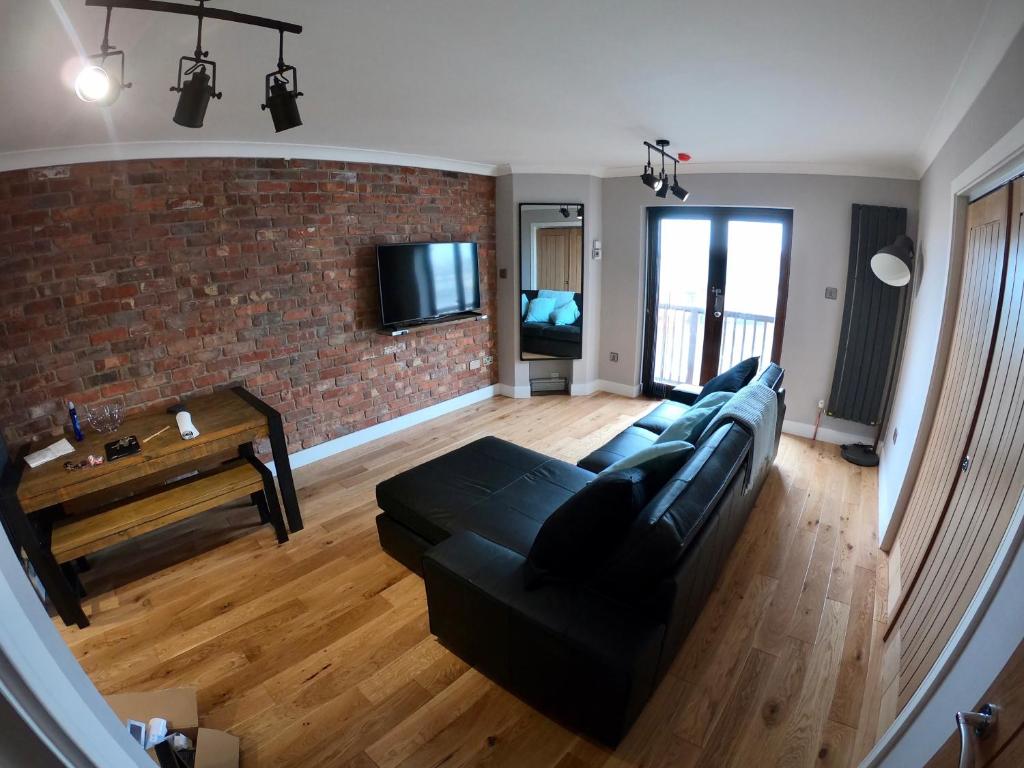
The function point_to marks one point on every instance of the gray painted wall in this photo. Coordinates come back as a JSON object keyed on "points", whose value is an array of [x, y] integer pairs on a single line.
{"points": [[821, 244], [513, 189], [998, 108]]}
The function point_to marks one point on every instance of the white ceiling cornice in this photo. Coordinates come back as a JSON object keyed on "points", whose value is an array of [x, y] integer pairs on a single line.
{"points": [[999, 25], [154, 150], [813, 169]]}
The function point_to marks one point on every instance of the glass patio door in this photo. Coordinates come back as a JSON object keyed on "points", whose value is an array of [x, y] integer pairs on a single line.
{"points": [[716, 292]]}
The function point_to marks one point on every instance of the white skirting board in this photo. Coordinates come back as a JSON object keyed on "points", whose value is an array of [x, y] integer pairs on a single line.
{"points": [[385, 428], [825, 435], [615, 388]]}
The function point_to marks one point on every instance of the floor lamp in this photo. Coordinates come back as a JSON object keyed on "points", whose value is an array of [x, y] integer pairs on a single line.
{"points": [[893, 265]]}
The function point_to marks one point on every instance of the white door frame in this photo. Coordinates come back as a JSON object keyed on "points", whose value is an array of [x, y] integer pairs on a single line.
{"points": [[47, 687]]}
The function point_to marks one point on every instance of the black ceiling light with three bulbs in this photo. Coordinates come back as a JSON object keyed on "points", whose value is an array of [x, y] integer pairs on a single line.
{"points": [[659, 183], [197, 74]]}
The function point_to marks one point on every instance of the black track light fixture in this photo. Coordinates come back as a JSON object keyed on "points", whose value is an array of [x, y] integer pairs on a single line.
{"points": [[280, 99], [195, 94], [98, 82], [579, 213], [660, 183], [564, 210]]}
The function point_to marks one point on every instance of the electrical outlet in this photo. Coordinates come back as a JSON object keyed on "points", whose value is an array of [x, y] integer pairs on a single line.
{"points": [[831, 293], [613, 357], [488, 359], [474, 364]]}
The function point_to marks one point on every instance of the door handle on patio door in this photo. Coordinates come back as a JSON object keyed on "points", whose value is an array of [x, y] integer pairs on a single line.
{"points": [[719, 301]]}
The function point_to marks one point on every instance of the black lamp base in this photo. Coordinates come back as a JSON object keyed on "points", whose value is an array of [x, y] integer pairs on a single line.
{"points": [[860, 454]]}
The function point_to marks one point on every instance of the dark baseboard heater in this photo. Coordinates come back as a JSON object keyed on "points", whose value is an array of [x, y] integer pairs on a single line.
{"points": [[874, 315]]}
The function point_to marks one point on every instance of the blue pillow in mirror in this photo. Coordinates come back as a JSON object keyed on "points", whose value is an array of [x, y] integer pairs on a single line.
{"points": [[539, 310], [522, 312], [565, 314], [561, 297]]}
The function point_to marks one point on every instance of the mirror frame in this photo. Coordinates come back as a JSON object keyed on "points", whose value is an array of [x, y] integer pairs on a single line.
{"points": [[519, 273]]}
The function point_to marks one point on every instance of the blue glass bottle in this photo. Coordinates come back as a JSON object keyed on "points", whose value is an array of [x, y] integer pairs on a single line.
{"points": [[74, 422]]}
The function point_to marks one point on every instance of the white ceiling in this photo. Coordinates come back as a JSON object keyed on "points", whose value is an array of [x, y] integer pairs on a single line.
{"points": [[839, 86]]}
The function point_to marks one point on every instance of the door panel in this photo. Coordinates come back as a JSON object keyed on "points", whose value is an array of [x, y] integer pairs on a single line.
{"points": [[753, 269], [552, 259], [985, 495], [685, 249], [981, 288]]}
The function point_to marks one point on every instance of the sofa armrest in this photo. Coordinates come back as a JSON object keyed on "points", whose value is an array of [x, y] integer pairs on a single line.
{"points": [[685, 394], [585, 659]]}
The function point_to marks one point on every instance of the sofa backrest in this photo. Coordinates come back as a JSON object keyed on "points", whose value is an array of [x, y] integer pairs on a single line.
{"points": [[654, 565]]}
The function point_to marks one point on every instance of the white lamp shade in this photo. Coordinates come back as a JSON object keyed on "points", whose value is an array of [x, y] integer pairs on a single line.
{"points": [[890, 269], [892, 264]]}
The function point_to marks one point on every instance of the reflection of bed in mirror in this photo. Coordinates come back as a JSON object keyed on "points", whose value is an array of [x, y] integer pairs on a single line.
{"points": [[551, 280]]}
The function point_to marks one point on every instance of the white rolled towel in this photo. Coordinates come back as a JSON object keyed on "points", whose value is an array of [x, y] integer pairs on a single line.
{"points": [[185, 426]]}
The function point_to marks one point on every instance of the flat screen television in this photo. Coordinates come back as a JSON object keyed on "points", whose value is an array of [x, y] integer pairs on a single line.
{"points": [[421, 282]]}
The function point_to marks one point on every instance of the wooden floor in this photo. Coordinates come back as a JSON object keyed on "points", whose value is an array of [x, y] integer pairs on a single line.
{"points": [[317, 653]]}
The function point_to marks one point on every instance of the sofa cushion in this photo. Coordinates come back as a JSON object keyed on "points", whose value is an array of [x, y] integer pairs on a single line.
{"points": [[577, 538], [500, 490], [692, 424], [658, 420], [732, 380], [660, 460], [660, 534], [626, 443]]}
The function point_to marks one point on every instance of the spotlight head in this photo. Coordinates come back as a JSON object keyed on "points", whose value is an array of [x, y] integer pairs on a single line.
{"points": [[564, 210], [579, 213], [94, 85], [98, 82], [648, 178], [281, 101], [195, 94], [678, 191], [662, 189]]}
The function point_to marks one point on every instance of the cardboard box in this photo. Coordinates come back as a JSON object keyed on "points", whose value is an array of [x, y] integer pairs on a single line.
{"points": [[214, 749]]}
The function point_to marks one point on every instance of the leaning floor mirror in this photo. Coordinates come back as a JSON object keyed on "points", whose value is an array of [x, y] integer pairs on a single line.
{"points": [[551, 281]]}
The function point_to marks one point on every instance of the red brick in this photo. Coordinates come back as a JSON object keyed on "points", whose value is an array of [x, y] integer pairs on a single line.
{"points": [[150, 280]]}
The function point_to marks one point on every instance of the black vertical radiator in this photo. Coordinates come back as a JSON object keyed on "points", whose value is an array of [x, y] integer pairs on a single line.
{"points": [[874, 316]]}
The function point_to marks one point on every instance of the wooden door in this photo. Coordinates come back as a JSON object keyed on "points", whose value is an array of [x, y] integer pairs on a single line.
{"points": [[574, 255], [969, 480], [552, 253], [1004, 746]]}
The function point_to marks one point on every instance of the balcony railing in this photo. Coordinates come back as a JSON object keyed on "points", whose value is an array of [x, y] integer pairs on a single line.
{"points": [[680, 342]]}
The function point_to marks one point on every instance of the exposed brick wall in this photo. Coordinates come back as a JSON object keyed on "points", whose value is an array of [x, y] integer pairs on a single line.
{"points": [[147, 281]]}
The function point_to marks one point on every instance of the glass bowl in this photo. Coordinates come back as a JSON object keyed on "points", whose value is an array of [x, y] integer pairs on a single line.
{"points": [[105, 418]]}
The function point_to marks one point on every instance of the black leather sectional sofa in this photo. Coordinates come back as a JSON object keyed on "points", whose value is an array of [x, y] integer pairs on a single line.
{"points": [[589, 653]]}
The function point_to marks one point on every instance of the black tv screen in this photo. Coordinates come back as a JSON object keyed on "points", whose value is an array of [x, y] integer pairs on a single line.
{"points": [[424, 281]]}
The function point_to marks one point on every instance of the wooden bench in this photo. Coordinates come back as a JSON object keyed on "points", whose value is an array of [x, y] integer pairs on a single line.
{"points": [[76, 536]]}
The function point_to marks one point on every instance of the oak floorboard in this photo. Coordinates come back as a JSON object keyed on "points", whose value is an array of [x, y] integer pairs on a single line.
{"points": [[318, 652]]}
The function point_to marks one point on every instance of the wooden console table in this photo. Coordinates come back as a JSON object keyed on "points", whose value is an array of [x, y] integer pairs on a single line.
{"points": [[228, 421]]}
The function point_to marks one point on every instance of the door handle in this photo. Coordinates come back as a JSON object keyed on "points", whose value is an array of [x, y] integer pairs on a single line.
{"points": [[974, 726], [719, 301]]}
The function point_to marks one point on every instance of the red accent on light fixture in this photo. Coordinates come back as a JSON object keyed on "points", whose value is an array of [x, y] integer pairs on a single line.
{"points": [[683, 157]]}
